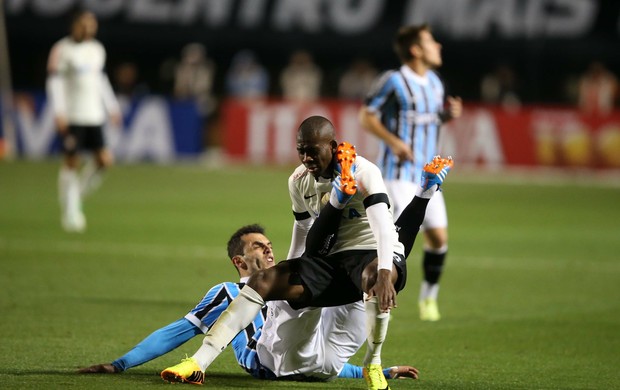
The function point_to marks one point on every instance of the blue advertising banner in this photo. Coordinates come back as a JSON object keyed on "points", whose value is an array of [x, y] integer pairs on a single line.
{"points": [[154, 129]]}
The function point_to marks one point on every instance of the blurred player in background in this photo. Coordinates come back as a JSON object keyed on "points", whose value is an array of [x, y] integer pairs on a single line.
{"points": [[249, 251], [80, 95], [405, 110]]}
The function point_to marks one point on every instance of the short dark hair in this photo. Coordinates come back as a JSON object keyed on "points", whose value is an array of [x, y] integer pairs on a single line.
{"points": [[235, 244], [405, 38]]}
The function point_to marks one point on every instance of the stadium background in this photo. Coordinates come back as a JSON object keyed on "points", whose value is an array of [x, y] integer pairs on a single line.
{"points": [[530, 298], [547, 43]]}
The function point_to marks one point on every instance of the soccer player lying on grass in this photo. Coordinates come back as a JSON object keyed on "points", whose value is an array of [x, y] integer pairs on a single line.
{"points": [[249, 250], [367, 256]]}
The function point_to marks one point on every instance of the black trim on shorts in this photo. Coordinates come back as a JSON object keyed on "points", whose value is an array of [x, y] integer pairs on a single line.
{"points": [[376, 198]]}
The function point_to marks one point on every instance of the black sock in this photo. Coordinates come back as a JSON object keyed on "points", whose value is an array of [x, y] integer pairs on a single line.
{"points": [[409, 221], [322, 234], [433, 266]]}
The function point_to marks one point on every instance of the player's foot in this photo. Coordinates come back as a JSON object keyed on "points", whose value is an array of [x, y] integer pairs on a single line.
{"points": [[429, 310], [345, 155], [74, 222], [188, 371], [375, 380], [434, 174]]}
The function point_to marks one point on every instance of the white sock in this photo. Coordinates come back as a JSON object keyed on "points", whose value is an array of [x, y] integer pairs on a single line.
{"points": [[420, 193], [91, 178], [376, 326], [428, 290], [240, 313], [69, 191]]}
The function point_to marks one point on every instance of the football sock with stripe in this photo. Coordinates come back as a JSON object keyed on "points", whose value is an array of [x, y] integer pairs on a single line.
{"points": [[377, 326]]}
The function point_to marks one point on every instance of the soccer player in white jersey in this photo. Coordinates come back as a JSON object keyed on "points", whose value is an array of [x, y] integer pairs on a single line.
{"points": [[80, 95], [359, 252], [405, 110]]}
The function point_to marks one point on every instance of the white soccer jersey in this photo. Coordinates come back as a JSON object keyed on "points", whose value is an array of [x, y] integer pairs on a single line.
{"points": [[84, 92], [311, 341], [309, 195]]}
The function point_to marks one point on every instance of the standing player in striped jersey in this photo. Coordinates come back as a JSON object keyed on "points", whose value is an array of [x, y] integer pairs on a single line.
{"points": [[249, 251], [80, 95], [405, 110]]}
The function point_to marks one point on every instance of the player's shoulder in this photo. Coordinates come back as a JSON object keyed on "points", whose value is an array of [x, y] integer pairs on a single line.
{"points": [[232, 288], [435, 77], [61, 43], [366, 169], [298, 174]]}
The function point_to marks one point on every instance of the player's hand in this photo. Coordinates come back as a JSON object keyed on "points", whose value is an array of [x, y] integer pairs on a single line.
{"points": [[62, 125], [402, 372], [384, 291], [104, 368], [455, 106], [116, 119], [401, 150]]}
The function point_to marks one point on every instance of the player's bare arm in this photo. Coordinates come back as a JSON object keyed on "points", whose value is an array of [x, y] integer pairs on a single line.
{"points": [[372, 123]]}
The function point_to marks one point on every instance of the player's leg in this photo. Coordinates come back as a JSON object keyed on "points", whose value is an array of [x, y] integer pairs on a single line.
{"points": [[435, 251], [435, 225], [415, 213], [269, 284], [376, 329], [91, 176], [343, 331], [69, 183]]}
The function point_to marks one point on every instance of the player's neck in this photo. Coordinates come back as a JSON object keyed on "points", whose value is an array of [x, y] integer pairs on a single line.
{"points": [[418, 67]]}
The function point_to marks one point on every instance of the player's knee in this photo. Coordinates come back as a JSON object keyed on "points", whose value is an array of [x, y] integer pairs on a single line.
{"points": [[262, 281], [104, 159], [436, 238]]}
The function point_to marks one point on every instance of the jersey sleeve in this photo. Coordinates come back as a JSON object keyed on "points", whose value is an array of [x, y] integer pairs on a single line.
{"points": [[299, 207], [380, 91], [371, 184], [215, 301]]}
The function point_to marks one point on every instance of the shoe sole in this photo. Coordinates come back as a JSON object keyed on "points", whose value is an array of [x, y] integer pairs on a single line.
{"points": [[173, 377], [345, 155], [438, 164]]}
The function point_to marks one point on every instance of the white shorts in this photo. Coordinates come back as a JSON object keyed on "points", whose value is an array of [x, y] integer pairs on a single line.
{"points": [[401, 192], [315, 342]]}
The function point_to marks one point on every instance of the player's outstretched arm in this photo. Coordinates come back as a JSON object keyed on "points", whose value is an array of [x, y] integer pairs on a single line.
{"points": [[153, 346]]}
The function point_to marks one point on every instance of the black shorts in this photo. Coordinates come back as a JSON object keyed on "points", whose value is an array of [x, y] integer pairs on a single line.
{"points": [[83, 138], [337, 279]]}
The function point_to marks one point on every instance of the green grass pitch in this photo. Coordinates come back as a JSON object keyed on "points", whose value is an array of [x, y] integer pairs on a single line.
{"points": [[530, 298]]}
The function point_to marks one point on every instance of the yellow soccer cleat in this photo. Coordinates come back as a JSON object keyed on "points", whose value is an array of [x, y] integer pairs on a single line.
{"points": [[429, 310], [375, 380], [188, 371]]}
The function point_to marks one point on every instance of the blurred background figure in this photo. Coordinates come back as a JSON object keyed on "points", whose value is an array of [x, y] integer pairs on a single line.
{"points": [[500, 87], [126, 82], [247, 78], [193, 79], [301, 79], [598, 89], [80, 95], [357, 80]]}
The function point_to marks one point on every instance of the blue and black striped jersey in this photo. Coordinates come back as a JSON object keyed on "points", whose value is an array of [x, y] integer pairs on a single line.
{"points": [[409, 106]]}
